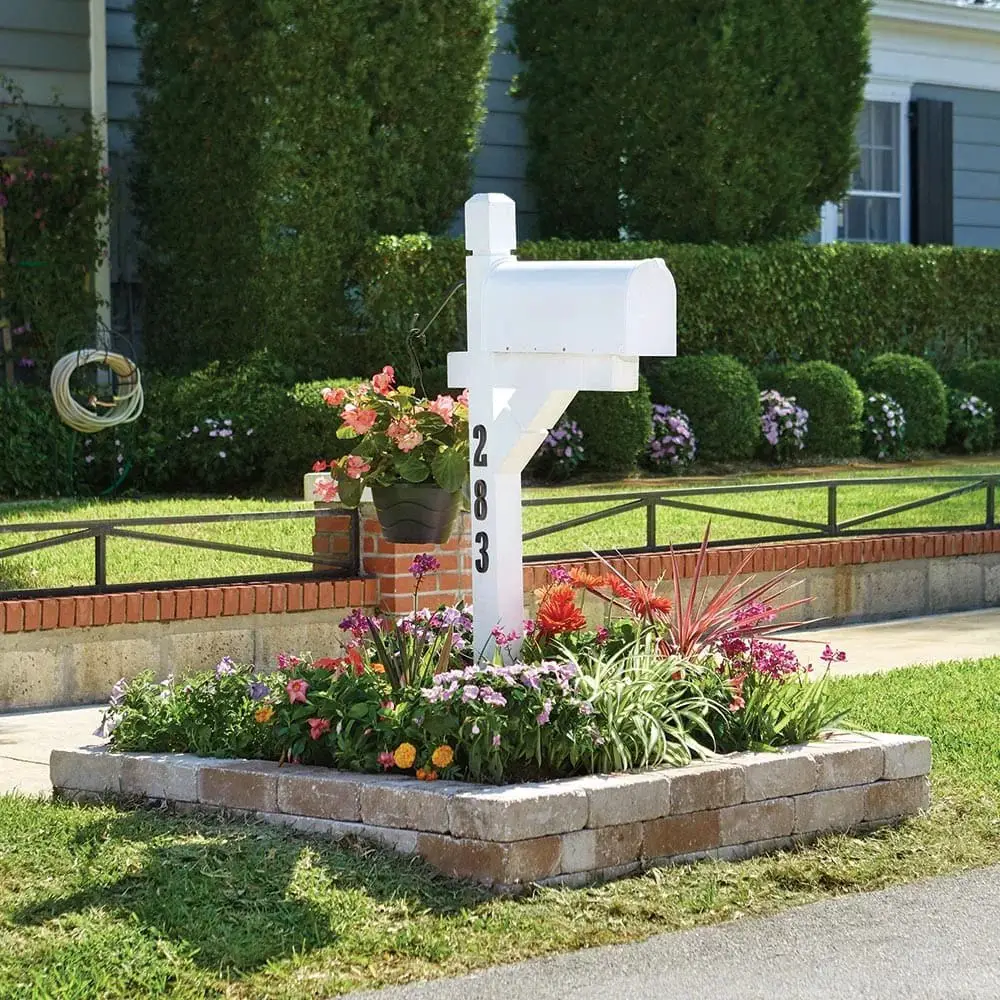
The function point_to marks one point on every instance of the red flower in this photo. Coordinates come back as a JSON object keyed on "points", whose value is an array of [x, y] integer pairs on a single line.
{"points": [[644, 603], [354, 658], [317, 727], [557, 611], [297, 691], [327, 663], [320, 466], [583, 580], [618, 586]]}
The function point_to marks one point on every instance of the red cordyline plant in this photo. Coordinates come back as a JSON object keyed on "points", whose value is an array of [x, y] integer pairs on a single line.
{"points": [[702, 620]]}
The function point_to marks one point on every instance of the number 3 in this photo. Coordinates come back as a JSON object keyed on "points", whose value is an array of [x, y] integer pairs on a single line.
{"points": [[483, 562]]}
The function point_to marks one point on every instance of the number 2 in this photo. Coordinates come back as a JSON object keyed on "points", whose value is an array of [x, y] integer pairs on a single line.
{"points": [[479, 456], [483, 562]]}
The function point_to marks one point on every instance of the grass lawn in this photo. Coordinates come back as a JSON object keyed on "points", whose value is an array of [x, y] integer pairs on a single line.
{"points": [[98, 903], [131, 561]]}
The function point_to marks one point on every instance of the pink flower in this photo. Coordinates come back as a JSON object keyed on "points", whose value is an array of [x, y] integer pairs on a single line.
{"points": [[386, 760], [326, 490], [444, 407], [317, 727], [320, 466], [464, 397], [404, 432], [297, 691], [286, 661], [359, 419], [356, 466], [384, 381], [333, 397]]}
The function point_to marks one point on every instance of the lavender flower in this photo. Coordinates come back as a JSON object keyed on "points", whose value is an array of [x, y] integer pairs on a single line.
{"points": [[422, 565], [258, 691], [225, 667], [672, 444]]}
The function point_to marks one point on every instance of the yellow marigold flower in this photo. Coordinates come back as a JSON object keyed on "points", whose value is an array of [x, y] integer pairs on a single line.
{"points": [[378, 668], [404, 755], [443, 756], [264, 714]]}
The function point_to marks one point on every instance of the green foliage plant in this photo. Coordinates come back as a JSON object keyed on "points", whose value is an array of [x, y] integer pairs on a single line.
{"points": [[883, 428], [971, 423], [53, 198], [917, 387], [833, 399], [616, 427], [272, 140], [757, 132], [982, 379], [35, 448], [719, 396]]}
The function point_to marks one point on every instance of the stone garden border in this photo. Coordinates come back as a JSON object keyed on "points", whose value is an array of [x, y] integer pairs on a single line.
{"points": [[567, 832]]}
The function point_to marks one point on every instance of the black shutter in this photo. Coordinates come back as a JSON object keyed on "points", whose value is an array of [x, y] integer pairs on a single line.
{"points": [[931, 172]]}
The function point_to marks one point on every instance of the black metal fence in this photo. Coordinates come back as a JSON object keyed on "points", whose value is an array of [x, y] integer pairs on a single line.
{"points": [[689, 498], [321, 566]]}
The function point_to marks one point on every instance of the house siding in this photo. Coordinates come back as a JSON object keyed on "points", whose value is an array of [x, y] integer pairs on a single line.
{"points": [[45, 49], [976, 162]]}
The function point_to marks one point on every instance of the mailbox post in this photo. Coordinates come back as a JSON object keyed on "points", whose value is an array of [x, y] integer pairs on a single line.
{"points": [[538, 332]]}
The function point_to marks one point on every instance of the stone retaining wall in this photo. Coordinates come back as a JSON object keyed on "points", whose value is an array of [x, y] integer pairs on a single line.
{"points": [[554, 833]]}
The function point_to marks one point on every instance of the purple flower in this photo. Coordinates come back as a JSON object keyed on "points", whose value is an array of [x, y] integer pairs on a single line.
{"points": [[830, 655], [560, 575], [469, 693], [258, 691], [496, 740], [26, 363], [491, 697], [357, 623], [545, 714], [423, 564], [225, 667]]}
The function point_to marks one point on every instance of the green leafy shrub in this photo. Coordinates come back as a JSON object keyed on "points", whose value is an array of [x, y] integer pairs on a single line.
{"points": [[250, 216], [839, 302], [833, 400], [883, 428], [35, 447], [917, 387], [616, 426], [719, 396], [982, 379], [53, 193], [971, 423], [561, 453], [758, 131]]}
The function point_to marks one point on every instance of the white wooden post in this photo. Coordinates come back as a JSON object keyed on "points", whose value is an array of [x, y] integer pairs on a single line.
{"points": [[537, 333]]}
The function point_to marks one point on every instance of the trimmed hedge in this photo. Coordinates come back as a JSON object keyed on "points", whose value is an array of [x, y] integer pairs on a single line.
{"points": [[35, 460], [273, 139], [841, 302], [918, 389], [833, 400], [616, 428], [720, 397], [729, 121], [982, 379]]}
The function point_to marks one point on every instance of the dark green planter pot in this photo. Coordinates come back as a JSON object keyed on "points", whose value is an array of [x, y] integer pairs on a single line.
{"points": [[416, 513]]}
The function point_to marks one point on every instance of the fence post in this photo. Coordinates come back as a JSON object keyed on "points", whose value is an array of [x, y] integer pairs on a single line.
{"points": [[991, 503], [651, 525], [100, 560], [831, 510]]}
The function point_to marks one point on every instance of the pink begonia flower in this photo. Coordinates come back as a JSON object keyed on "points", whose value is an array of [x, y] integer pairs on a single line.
{"points": [[356, 466], [317, 727], [464, 397], [334, 397], [361, 420], [386, 760], [404, 432], [320, 466], [444, 407], [384, 381], [297, 691], [326, 490]]}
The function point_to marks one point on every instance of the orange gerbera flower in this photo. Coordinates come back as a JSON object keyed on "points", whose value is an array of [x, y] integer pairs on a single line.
{"points": [[558, 612], [645, 603], [583, 580], [618, 586]]}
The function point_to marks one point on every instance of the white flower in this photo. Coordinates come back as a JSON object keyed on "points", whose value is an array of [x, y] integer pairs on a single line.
{"points": [[222, 454]]}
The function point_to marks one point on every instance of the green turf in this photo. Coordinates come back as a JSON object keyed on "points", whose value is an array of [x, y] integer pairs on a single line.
{"points": [[99, 903]]}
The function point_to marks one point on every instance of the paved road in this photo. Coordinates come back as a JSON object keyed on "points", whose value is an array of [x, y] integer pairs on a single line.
{"points": [[935, 940]]}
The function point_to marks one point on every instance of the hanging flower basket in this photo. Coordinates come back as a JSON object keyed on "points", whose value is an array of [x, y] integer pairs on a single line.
{"points": [[416, 513]]}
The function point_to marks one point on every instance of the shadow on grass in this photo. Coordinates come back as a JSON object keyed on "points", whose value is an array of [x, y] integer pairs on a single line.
{"points": [[237, 895]]}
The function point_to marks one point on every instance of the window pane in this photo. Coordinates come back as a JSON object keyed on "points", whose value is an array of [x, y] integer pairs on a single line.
{"points": [[885, 121], [869, 220], [864, 129], [886, 172]]}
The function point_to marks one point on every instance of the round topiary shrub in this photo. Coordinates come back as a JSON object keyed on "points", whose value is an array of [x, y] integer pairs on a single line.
{"points": [[719, 396], [971, 423], [982, 379], [616, 427], [917, 387], [833, 400]]}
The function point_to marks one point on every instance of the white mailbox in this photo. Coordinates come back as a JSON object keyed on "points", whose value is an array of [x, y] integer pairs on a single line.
{"points": [[538, 333]]}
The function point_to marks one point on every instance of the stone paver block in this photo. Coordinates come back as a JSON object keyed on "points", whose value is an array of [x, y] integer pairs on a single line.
{"points": [[691, 833], [334, 829], [843, 761], [88, 769], [240, 784], [886, 800], [492, 863], [401, 841], [837, 809], [705, 785], [321, 794], [604, 847], [774, 775], [625, 798], [407, 803], [519, 812], [169, 776], [740, 852], [905, 756], [753, 821]]}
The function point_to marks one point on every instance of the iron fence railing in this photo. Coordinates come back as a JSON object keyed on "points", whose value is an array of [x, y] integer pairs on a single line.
{"points": [[686, 498], [321, 566]]}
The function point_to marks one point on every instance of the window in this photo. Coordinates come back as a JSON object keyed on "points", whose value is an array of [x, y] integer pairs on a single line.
{"points": [[876, 208]]}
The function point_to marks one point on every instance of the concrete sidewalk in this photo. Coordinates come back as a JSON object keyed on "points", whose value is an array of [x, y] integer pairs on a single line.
{"points": [[26, 738], [933, 940]]}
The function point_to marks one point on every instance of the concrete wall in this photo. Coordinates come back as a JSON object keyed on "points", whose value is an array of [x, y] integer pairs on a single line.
{"points": [[976, 162]]}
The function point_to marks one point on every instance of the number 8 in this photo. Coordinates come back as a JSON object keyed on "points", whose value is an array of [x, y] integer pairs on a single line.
{"points": [[480, 508]]}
